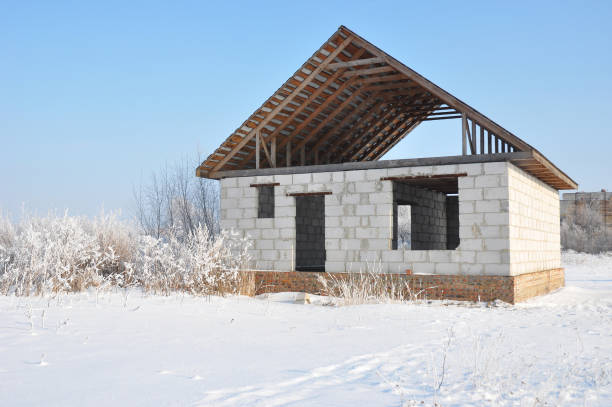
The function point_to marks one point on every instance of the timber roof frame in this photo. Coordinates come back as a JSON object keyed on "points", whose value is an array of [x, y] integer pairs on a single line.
{"points": [[352, 102]]}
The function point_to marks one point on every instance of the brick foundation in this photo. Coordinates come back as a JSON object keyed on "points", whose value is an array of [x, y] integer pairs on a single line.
{"points": [[431, 286]]}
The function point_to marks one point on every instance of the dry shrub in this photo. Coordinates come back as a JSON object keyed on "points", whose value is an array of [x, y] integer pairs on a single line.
{"points": [[367, 287], [55, 254]]}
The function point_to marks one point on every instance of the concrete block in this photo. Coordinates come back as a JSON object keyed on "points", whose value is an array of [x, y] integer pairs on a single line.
{"points": [[376, 174], [365, 210], [470, 169], [423, 268], [302, 178], [488, 257], [439, 256], [285, 179], [229, 183], [393, 256], [496, 168], [287, 222], [447, 268], [353, 176], [488, 206], [470, 194], [322, 177], [264, 223], [496, 218]]}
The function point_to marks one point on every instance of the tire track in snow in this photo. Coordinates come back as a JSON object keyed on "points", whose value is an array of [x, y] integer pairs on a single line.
{"points": [[365, 373]]}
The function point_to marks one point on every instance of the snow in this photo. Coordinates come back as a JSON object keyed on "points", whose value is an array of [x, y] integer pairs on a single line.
{"points": [[99, 349]]}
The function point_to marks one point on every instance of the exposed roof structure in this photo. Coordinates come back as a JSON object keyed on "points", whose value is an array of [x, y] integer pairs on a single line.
{"points": [[352, 102]]}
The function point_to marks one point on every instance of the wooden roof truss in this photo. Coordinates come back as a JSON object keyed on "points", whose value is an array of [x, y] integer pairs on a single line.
{"points": [[353, 102]]}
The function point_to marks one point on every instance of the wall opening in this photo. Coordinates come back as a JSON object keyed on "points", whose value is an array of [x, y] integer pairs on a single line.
{"points": [[404, 230], [425, 215], [265, 201], [310, 233]]}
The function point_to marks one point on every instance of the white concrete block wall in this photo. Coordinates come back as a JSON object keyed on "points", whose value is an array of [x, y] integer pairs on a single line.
{"points": [[509, 221], [534, 224]]}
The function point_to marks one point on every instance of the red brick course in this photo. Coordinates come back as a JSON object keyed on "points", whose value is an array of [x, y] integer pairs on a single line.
{"points": [[511, 289]]}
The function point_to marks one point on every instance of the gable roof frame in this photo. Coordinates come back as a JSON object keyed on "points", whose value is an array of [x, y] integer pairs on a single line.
{"points": [[347, 78]]}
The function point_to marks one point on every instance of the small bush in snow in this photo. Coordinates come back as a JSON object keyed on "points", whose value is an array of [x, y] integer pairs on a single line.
{"points": [[66, 254]]}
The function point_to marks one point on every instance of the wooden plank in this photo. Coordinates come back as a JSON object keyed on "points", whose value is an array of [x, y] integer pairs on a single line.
{"points": [[489, 142], [265, 149], [463, 135], [269, 184], [473, 137], [311, 100], [296, 91], [357, 62], [309, 193], [482, 140], [425, 177], [256, 150], [439, 92], [365, 143], [288, 154], [369, 71], [273, 152]]}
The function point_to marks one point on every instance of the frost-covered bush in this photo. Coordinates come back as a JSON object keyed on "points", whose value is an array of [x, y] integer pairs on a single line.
{"points": [[66, 253], [584, 230]]}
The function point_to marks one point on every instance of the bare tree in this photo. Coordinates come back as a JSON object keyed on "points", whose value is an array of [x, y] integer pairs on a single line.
{"points": [[176, 200]]}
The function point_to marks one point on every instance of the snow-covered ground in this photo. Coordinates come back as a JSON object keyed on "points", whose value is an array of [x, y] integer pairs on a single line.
{"points": [[90, 349]]}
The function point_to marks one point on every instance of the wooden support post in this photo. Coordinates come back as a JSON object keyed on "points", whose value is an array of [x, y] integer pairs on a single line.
{"points": [[482, 142], [463, 133], [473, 138], [316, 157], [303, 155], [288, 153], [257, 150], [490, 142], [496, 145], [273, 151]]}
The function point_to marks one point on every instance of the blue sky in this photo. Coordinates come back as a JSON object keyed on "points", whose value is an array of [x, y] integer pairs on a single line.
{"points": [[95, 97]]}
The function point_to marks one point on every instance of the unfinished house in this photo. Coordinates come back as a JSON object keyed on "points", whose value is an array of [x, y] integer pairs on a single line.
{"points": [[303, 176]]}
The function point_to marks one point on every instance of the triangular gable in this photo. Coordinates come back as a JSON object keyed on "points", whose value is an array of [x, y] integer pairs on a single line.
{"points": [[353, 102]]}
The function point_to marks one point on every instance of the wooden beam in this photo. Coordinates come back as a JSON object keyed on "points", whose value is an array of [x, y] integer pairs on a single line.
{"points": [[288, 154], [265, 149], [386, 78], [299, 110], [463, 134], [303, 155], [316, 112], [489, 142], [332, 115], [473, 137], [439, 92], [281, 105], [309, 193], [359, 124], [364, 143], [482, 140], [273, 152], [399, 133], [257, 150], [370, 71], [356, 62]]}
